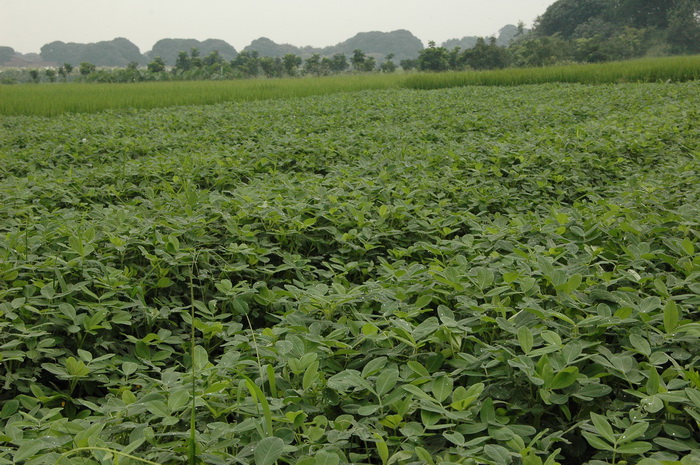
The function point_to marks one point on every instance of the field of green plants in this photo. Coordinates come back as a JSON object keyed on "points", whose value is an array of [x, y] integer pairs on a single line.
{"points": [[59, 98], [477, 275]]}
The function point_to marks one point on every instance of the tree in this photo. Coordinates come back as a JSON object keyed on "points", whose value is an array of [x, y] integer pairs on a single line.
{"points": [[434, 58], [50, 74], [157, 65], [683, 33], [358, 60], [564, 16], [272, 67], [408, 64], [338, 63], [213, 59], [247, 63], [195, 60], [87, 68], [644, 13], [388, 66], [291, 62], [369, 65], [183, 62], [68, 67], [34, 74], [312, 65]]}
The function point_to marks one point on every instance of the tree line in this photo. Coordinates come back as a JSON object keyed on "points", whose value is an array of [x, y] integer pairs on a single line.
{"points": [[581, 31]]}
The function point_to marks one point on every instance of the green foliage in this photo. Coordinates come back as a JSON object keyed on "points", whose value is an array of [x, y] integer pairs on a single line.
{"points": [[670, 69], [473, 275]]}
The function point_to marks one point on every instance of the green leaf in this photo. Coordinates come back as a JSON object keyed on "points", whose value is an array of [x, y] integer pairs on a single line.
{"points": [[326, 458], [310, 375], [164, 282], [201, 358], [633, 432], [9, 409], [374, 366], [596, 441], [268, 450], [671, 316], [564, 378], [455, 438], [76, 368], [418, 392], [386, 380], [442, 387], [484, 277], [688, 247], [641, 344], [525, 339], [634, 448], [694, 396], [424, 455], [129, 368], [28, 450], [488, 413], [178, 400], [603, 427], [499, 454], [382, 448]]}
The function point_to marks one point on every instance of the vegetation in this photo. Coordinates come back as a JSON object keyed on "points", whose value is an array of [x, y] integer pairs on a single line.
{"points": [[92, 97], [479, 275], [87, 98], [672, 69]]}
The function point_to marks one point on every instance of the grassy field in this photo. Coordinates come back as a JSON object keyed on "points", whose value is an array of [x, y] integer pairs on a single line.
{"points": [[51, 100], [672, 69], [476, 275], [56, 99]]}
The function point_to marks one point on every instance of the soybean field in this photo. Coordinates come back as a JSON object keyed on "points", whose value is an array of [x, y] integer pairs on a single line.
{"points": [[475, 275]]}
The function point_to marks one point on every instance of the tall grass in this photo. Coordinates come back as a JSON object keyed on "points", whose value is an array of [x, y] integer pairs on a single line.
{"points": [[676, 69], [55, 99]]}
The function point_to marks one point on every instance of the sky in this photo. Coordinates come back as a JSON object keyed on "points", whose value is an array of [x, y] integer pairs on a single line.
{"points": [[26, 25]]}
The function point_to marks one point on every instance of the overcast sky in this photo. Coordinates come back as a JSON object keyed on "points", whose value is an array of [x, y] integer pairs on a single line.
{"points": [[26, 25]]}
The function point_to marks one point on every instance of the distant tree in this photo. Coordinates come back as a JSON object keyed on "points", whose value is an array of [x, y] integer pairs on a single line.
{"points": [[247, 63], [195, 60], [183, 62], [272, 67], [291, 62], [408, 64], [213, 59], [564, 16], [312, 65], [34, 74], [456, 58], [434, 58], [157, 65], [683, 33], [338, 63], [50, 74], [388, 66], [486, 56], [357, 59], [370, 64], [644, 13], [540, 51], [68, 67], [87, 68]]}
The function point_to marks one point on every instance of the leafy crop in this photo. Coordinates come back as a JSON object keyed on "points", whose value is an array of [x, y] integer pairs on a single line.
{"points": [[473, 275]]}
